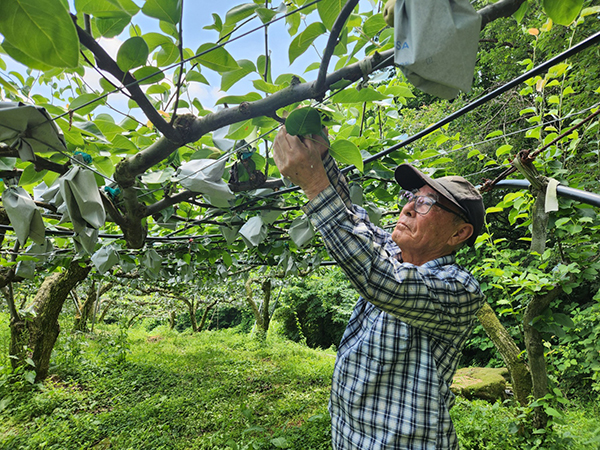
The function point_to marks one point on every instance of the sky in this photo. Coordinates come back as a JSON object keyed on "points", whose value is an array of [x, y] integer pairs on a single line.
{"points": [[197, 15]]}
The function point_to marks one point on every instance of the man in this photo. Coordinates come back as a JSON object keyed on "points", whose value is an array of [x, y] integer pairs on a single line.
{"points": [[394, 367]]}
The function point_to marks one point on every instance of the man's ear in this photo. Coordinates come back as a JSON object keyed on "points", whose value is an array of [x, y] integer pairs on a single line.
{"points": [[462, 234]]}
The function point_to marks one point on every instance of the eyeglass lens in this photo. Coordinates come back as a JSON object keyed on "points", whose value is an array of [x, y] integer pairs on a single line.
{"points": [[422, 203]]}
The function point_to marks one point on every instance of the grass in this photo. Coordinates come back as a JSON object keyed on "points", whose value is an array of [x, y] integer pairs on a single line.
{"points": [[175, 391], [213, 390]]}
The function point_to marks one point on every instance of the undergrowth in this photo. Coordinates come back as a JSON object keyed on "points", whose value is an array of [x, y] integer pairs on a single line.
{"points": [[122, 389]]}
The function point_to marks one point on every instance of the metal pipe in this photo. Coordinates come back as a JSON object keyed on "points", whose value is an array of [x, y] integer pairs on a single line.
{"points": [[563, 191]]}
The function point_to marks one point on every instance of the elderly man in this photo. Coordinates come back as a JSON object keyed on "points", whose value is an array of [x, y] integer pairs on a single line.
{"points": [[417, 307]]}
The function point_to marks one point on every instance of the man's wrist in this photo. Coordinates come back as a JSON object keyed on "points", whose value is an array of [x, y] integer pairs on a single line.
{"points": [[316, 188]]}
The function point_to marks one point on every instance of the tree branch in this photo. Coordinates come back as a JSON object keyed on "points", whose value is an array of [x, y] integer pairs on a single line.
{"points": [[331, 44], [503, 8], [6, 151], [106, 63], [170, 201]]}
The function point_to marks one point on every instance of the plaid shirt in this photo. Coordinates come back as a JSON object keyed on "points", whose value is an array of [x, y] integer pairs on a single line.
{"points": [[394, 367]]}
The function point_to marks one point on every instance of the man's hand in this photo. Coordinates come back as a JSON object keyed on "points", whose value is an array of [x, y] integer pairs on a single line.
{"points": [[301, 161], [388, 12]]}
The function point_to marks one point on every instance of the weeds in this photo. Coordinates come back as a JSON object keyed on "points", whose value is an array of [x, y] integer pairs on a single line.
{"points": [[162, 389]]}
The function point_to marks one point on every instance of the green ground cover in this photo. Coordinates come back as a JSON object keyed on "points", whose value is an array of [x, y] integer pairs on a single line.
{"points": [[162, 389]]}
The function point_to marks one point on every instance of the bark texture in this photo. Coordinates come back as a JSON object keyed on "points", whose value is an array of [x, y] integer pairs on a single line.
{"points": [[261, 315], [87, 307], [511, 354], [34, 336]]}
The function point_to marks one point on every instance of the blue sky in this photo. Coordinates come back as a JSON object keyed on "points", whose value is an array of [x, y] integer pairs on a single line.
{"points": [[197, 14]]}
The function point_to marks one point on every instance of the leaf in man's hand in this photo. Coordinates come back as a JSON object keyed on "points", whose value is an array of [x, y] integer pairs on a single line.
{"points": [[304, 121]]}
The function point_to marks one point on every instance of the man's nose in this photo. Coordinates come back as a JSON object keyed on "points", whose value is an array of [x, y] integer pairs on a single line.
{"points": [[408, 209]]}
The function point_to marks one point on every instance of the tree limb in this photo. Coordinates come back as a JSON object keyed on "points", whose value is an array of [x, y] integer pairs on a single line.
{"points": [[6, 151], [503, 8], [331, 44], [106, 63]]}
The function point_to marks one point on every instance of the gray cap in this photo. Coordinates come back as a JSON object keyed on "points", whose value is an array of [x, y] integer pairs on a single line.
{"points": [[455, 189]]}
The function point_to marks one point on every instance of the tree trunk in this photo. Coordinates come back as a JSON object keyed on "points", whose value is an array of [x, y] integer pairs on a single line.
{"points": [[533, 339], [87, 309], [539, 225], [209, 307], [535, 351], [266, 287], [261, 329], [171, 320], [511, 354], [34, 336], [104, 311], [192, 307]]}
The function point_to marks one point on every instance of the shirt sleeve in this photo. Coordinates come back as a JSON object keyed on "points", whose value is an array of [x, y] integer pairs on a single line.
{"points": [[438, 297], [340, 184]]}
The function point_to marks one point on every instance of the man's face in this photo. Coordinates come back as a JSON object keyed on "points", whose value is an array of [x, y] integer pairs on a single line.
{"points": [[424, 237]]}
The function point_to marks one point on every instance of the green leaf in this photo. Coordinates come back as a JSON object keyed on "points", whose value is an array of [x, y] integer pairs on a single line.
{"points": [[196, 76], [154, 74], [105, 165], [77, 104], [563, 319], [558, 71], [107, 126], [167, 55], [132, 53], [228, 79], [166, 10], [240, 12], [110, 28], [237, 99], [29, 376], [553, 412], [155, 40], [23, 58], [329, 10], [269, 88], [399, 91], [8, 86], [346, 152], [301, 42], [48, 38], [374, 25], [216, 58], [240, 130], [159, 176], [31, 176], [494, 134], [304, 121], [265, 14], [503, 150], [562, 12], [7, 163], [293, 21], [520, 13], [354, 96], [121, 143], [108, 9]]}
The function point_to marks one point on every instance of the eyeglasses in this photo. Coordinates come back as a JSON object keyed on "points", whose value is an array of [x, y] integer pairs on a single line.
{"points": [[423, 203]]}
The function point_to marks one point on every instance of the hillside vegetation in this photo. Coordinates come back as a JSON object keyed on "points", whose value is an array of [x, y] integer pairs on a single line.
{"points": [[162, 389]]}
